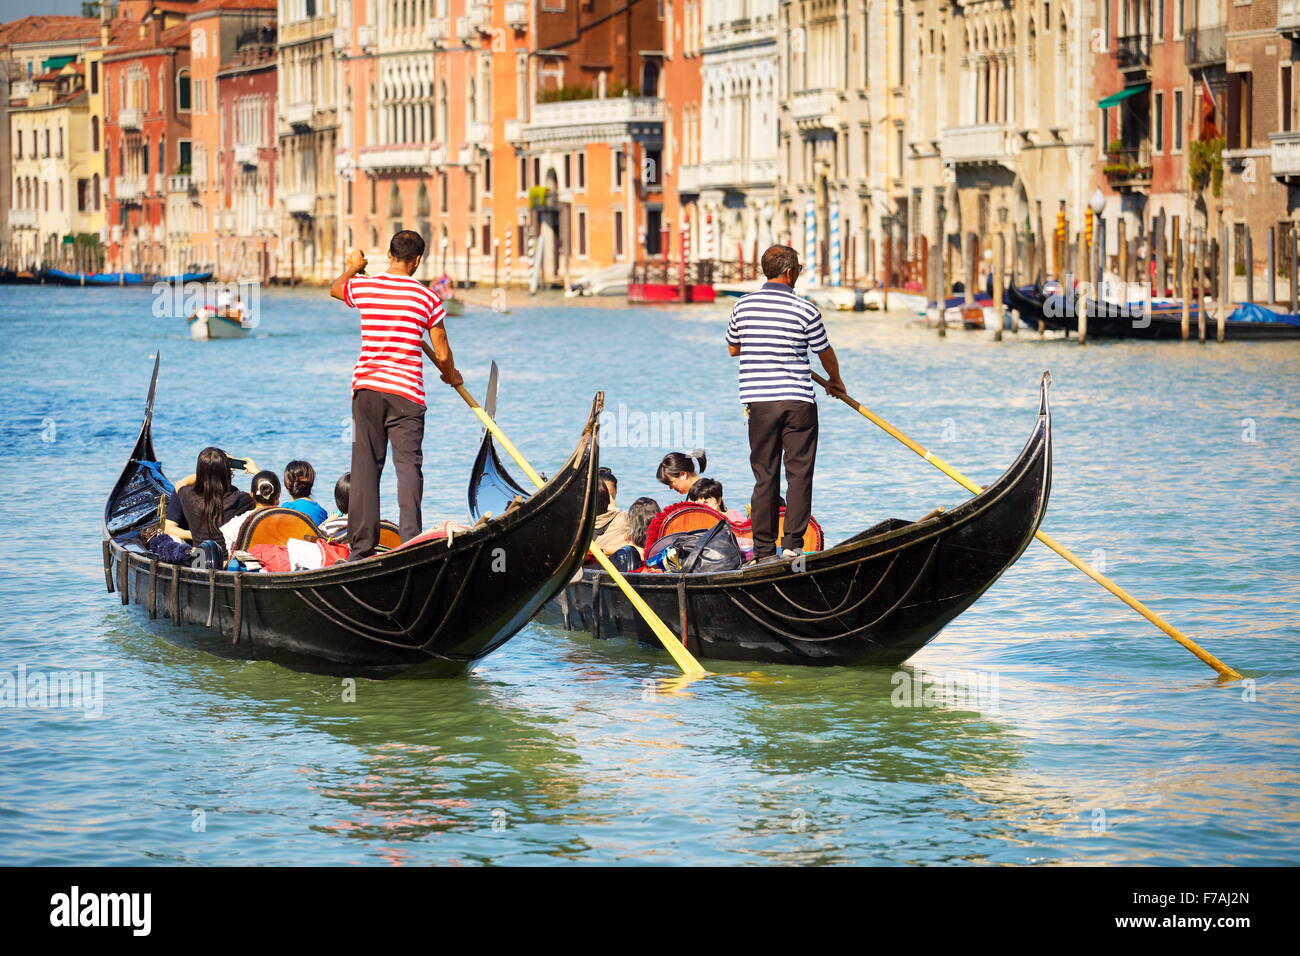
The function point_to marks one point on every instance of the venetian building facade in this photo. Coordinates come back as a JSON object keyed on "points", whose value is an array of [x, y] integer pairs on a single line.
{"points": [[840, 134], [729, 147], [1002, 136], [307, 93]]}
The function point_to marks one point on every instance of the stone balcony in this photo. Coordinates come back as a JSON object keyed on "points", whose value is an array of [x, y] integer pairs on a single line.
{"points": [[299, 115], [725, 174], [1133, 52], [22, 218], [128, 118], [400, 157], [128, 190], [246, 154], [815, 108], [435, 30], [179, 183], [582, 120], [1205, 47], [476, 132], [516, 15], [980, 144], [300, 203], [1288, 18], [1285, 154]]}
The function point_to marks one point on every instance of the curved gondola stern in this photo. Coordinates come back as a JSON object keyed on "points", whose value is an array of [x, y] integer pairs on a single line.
{"points": [[142, 477]]}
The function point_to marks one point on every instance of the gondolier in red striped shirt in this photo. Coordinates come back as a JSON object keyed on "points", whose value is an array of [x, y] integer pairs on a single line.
{"points": [[401, 320]]}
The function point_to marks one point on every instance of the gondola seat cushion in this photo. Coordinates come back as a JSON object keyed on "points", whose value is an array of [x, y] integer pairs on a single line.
{"points": [[693, 516], [276, 526]]}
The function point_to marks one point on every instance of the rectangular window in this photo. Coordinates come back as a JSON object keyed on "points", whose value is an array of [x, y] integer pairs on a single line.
{"points": [[487, 235], [184, 157], [523, 174], [1158, 122], [618, 234], [1178, 120], [487, 176], [1103, 132], [18, 145], [619, 159], [94, 78], [568, 170], [582, 232], [1284, 84], [653, 226], [582, 171], [1178, 18]]}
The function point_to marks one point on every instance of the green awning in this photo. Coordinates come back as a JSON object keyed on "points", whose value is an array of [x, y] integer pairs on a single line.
{"points": [[56, 63], [1123, 94]]}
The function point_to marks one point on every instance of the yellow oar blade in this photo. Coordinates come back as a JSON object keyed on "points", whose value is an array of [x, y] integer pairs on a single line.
{"points": [[689, 665], [1223, 669]]}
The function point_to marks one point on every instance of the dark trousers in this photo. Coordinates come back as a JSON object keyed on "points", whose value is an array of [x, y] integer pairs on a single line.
{"points": [[377, 419], [781, 429]]}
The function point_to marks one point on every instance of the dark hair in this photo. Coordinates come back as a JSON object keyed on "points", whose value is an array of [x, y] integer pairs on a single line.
{"points": [[607, 475], [265, 488], [211, 483], [706, 488], [675, 464], [406, 245], [299, 479], [602, 498], [639, 516], [343, 491], [778, 260]]}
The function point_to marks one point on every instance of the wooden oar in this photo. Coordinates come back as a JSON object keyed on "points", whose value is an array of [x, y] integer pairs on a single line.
{"points": [[1223, 669], [689, 665]]}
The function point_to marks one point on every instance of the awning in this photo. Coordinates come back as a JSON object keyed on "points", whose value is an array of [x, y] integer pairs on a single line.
{"points": [[56, 63], [1123, 94]]}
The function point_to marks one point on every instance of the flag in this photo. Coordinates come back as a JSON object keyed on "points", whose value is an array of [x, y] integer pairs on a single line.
{"points": [[1209, 129]]}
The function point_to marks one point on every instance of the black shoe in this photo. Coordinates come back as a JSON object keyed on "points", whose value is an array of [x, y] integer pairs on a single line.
{"points": [[359, 557], [764, 559]]}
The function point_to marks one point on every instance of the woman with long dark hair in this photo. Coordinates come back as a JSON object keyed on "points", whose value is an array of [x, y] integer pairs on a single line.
{"points": [[679, 472], [206, 500], [639, 517]]}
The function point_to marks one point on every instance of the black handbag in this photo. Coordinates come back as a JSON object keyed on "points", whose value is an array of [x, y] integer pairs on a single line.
{"points": [[697, 552]]}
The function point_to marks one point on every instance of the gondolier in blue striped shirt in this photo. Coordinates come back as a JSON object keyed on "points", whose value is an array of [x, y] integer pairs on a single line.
{"points": [[772, 330]]}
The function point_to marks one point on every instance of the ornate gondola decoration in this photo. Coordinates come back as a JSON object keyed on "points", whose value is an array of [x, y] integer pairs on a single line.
{"points": [[877, 598], [428, 609]]}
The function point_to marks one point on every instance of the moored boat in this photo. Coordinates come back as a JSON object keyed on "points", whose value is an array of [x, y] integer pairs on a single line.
{"points": [[876, 598], [1159, 319], [429, 608]]}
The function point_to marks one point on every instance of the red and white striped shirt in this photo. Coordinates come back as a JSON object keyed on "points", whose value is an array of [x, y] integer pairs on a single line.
{"points": [[396, 312]]}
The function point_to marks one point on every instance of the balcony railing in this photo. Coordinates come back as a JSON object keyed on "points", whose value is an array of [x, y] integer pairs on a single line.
{"points": [[817, 107], [246, 154], [476, 132], [300, 203], [22, 218], [1288, 17], [391, 158], [1129, 169], [128, 118], [179, 183], [435, 30], [983, 143], [1133, 52], [719, 175], [1285, 149], [128, 190], [298, 114], [1204, 47], [613, 109], [516, 15]]}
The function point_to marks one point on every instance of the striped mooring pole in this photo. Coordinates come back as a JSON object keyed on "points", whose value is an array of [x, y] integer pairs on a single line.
{"points": [[810, 240], [837, 266]]}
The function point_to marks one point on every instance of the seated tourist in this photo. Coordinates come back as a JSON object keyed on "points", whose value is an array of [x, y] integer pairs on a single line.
{"points": [[612, 531], [707, 491], [299, 479], [639, 516], [206, 500], [337, 523], [265, 491], [679, 472]]}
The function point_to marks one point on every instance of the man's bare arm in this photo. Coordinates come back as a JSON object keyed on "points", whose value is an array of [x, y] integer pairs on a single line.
{"points": [[834, 384], [355, 265], [439, 351], [733, 350]]}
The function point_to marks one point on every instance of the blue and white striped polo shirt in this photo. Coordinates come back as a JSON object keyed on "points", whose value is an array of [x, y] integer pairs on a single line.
{"points": [[775, 329]]}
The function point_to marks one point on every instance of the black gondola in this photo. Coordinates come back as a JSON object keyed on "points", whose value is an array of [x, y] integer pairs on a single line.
{"points": [[1109, 320], [429, 609], [877, 598]]}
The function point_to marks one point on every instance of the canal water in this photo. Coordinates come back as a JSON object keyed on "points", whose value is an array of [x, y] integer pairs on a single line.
{"points": [[1089, 738]]}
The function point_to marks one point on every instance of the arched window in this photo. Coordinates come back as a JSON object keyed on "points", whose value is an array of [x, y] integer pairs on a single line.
{"points": [[422, 202], [183, 87], [394, 202]]}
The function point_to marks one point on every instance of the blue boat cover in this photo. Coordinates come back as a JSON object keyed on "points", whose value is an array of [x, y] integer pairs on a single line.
{"points": [[1250, 312]]}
